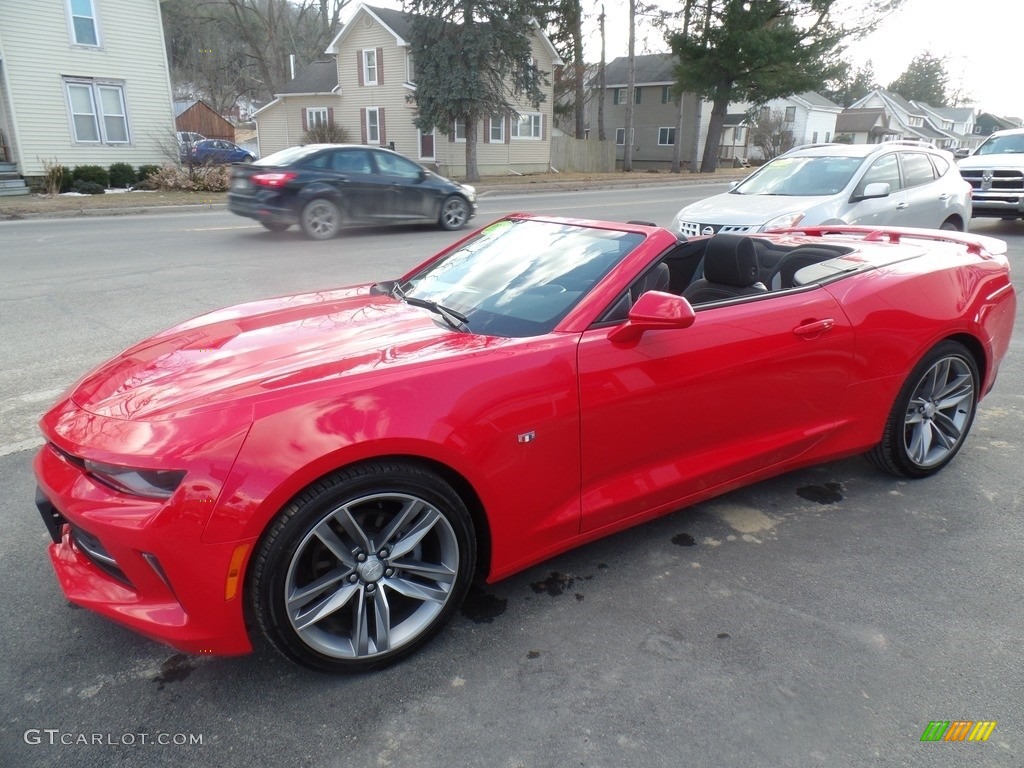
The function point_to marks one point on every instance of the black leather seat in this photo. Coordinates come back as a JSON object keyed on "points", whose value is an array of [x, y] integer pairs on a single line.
{"points": [[731, 269], [784, 272], [656, 279]]}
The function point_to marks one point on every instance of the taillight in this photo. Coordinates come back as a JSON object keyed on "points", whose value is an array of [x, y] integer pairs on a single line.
{"points": [[272, 179]]}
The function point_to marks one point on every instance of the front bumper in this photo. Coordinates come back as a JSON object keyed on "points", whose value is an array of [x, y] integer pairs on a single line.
{"points": [[143, 562], [1007, 204]]}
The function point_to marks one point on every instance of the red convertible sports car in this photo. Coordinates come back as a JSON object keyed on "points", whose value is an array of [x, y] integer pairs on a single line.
{"points": [[330, 471]]}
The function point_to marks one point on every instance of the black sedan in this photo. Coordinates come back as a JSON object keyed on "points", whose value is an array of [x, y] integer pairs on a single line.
{"points": [[322, 187]]}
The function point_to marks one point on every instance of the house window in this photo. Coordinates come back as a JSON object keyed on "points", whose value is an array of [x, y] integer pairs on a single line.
{"points": [[460, 130], [636, 95], [739, 134], [617, 97], [527, 126], [98, 114], [666, 137], [790, 114], [496, 129], [814, 138], [373, 125], [666, 94], [620, 137], [369, 66], [84, 29], [410, 69], [316, 117], [828, 136]]}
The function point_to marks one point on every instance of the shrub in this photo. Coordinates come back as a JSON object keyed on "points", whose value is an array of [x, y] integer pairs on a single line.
{"points": [[56, 177], [97, 174], [330, 133], [122, 175], [198, 178], [146, 176], [88, 187]]}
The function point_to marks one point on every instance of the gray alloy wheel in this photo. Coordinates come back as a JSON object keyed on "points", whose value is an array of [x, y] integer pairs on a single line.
{"points": [[932, 414], [320, 219], [454, 213], [363, 567]]}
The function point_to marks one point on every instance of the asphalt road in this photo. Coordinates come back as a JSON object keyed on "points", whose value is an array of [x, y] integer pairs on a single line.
{"points": [[822, 618]]}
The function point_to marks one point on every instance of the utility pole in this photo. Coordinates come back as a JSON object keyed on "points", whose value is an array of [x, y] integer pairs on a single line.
{"points": [[627, 154], [601, 83]]}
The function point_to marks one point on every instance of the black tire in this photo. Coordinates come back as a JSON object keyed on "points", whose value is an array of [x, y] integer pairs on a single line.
{"points": [[275, 226], [932, 415], [369, 607], [320, 219], [454, 213]]}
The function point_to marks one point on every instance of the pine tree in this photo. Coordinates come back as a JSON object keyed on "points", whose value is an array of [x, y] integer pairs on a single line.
{"points": [[925, 79]]}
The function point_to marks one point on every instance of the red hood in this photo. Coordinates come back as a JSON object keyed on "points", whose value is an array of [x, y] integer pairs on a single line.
{"points": [[261, 348]]}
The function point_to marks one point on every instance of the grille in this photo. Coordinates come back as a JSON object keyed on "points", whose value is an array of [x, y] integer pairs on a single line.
{"points": [[694, 229], [1002, 181], [91, 547]]}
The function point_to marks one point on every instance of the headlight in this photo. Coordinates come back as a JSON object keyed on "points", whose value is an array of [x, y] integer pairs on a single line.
{"points": [[469, 192], [149, 483], [783, 221]]}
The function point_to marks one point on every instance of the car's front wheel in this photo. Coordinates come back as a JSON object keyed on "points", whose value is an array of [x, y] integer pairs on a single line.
{"points": [[363, 567], [932, 414], [454, 213], [320, 219]]}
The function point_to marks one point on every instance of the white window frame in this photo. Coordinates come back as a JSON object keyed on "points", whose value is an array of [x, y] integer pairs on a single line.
{"points": [[373, 126], [100, 119], [617, 96], [459, 129], [738, 134], [410, 69], [666, 94], [316, 116], [72, 31], [369, 65], [669, 134], [534, 122], [620, 137], [496, 136], [790, 115]]}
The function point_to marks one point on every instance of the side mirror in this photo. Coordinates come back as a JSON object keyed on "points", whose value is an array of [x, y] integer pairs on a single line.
{"points": [[654, 311], [875, 189]]}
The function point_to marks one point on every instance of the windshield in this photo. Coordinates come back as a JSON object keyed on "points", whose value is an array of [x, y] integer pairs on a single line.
{"points": [[998, 145], [520, 278], [801, 176]]}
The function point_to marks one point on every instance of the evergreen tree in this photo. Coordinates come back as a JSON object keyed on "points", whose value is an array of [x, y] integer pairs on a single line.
{"points": [[925, 79], [758, 51], [473, 58], [850, 84]]}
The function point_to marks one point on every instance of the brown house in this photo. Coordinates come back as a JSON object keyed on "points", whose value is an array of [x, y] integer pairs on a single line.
{"points": [[199, 117]]}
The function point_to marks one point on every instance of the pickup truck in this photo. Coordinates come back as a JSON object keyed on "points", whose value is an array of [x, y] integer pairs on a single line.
{"points": [[995, 171]]}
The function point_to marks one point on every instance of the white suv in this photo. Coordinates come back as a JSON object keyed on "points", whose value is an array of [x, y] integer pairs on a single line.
{"points": [[896, 183], [995, 171]]}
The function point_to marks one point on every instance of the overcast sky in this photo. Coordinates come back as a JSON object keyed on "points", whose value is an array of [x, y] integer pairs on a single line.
{"points": [[981, 41]]}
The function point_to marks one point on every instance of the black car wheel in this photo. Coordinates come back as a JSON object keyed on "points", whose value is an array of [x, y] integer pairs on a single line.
{"points": [[363, 567], [932, 414], [454, 213], [274, 226], [320, 219]]}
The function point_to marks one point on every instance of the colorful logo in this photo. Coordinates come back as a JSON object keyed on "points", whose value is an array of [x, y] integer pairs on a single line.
{"points": [[958, 730]]}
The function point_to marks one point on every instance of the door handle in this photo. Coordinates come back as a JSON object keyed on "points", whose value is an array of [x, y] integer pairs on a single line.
{"points": [[901, 206], [813, 328], [944, 196]]}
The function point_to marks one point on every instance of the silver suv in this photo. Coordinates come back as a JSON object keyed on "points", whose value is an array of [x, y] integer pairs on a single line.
{"points": [[896, 183], [995, 171]]}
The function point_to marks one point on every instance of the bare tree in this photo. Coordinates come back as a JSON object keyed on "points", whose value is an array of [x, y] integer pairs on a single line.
{"points": [[602, 84], [769, 132], [627, 153]]}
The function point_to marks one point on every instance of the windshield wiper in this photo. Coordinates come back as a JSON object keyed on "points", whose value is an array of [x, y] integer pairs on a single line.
{"points": [[455, 320]]}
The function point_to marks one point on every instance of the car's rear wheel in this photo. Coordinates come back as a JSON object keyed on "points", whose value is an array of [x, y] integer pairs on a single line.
{"points": [[363, 567], [320, 219], [932, 414], [454, 213], [275, 226]]}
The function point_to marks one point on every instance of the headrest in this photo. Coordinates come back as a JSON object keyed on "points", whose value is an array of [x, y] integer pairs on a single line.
{"points": [[731, 260]]}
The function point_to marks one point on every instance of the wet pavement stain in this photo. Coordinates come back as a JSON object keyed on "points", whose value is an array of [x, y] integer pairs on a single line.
{"points": [[829, 493], [482, 607], [684, 540], [533, 654], [555, 584], [175, 669]]}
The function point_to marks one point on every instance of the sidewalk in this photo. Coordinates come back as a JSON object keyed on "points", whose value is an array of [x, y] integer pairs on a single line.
{"points": [[126, 203]]}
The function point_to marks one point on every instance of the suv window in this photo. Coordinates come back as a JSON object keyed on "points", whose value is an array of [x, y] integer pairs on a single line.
{"points": [[917, 169], [884, 170]]}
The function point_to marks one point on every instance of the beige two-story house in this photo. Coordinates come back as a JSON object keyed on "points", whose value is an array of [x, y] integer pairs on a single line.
{"points": [[84, 82], [372, 96]]}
